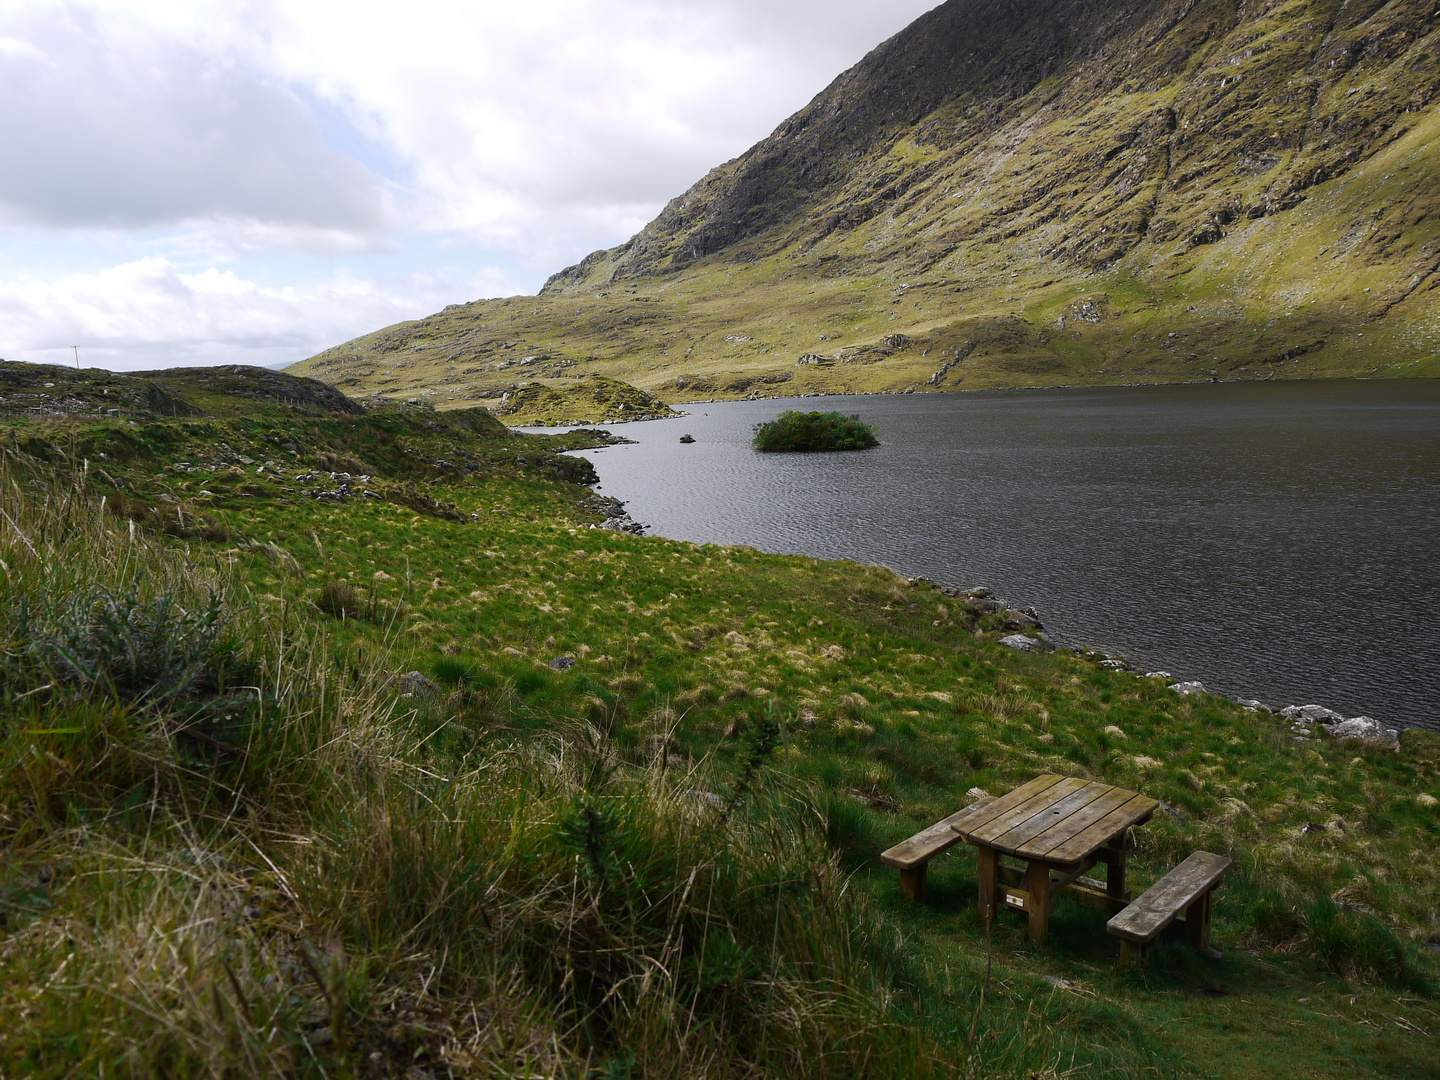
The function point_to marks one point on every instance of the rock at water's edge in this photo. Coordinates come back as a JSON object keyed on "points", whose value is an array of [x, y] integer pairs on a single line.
{"points": [[1311, 714], [1366, 729]]}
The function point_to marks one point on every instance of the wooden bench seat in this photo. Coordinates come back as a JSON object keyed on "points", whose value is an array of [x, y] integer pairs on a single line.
{"points": [[912, 856], [1187, 888]]}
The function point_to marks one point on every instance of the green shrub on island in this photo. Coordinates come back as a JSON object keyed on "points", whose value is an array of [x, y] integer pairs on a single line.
{"points": [[793, 432]]}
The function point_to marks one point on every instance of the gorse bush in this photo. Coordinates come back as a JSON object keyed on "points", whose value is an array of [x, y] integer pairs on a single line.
{"points": [[812, 431], [147, 652]]}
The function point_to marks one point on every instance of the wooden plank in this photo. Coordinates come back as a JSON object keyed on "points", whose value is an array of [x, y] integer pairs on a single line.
{"points": [[974, 816], [989, 867], [912, 883], [1092, 892], [1038, 886], [1138, 809], [1197, 921], [1050, 816], [1158, 906], [1113, 856], [1039, 845], [1059, 880], [1020, 813], [924, 845]]}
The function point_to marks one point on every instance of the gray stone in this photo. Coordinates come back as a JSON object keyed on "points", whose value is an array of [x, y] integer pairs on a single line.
{"points": [[562, 663], [1114, 665], [1178, 815], [1366, 729], [1019, 620], [1311, 714], [413, 682], [1188, 687], [1019, 641], [1253, 705]]}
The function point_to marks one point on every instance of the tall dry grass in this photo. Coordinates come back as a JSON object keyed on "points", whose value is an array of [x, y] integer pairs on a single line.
{"points": [[223, 855]]}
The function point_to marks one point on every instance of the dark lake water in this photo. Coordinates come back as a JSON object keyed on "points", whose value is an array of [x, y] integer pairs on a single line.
{"points": [[1276, 541]]}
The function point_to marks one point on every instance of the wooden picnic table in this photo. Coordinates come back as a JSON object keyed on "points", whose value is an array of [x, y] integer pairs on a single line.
{"points": [[1060, 827]]}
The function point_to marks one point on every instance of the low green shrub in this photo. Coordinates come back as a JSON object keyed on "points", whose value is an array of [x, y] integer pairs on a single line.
{"points": [[793, 431]]}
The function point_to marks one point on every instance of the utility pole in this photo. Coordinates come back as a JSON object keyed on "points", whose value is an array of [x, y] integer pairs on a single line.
{"points": [[77, 356]]}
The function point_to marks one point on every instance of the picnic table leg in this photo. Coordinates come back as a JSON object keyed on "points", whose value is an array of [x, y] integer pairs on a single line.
{"points": [[989, 871], [1132, 952], [1037, 883], [1197, 923], [912, 882], [1114, 856]]}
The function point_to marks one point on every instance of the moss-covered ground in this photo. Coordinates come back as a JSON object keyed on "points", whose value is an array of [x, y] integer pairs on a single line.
{"points": [[480, 566]]}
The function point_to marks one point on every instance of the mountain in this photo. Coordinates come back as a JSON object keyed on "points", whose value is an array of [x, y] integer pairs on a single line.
{"points": [[1016, 194]]}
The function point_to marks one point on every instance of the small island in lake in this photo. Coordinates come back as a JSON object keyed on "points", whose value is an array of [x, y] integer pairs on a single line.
{"points": [[792, 432]]}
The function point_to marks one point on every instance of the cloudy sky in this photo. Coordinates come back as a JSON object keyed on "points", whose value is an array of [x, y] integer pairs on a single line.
{"points": [[252, 181]]}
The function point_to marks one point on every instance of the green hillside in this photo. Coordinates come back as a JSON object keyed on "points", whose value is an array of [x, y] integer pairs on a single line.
{"points": [[1015, 195]]}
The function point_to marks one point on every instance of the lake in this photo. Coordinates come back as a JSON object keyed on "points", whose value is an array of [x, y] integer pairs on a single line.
{"points": [[1272, 540]]}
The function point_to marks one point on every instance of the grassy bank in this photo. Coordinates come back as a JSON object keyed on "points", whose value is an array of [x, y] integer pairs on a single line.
{"points": [[441, 777]]}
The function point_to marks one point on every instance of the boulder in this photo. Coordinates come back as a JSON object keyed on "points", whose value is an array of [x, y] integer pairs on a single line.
{"points": [[1188, 688], [413, 682], [562, 663], [1019, 620], [1311, 714], [1253, 706], [1019, 641], [1366, 729]]}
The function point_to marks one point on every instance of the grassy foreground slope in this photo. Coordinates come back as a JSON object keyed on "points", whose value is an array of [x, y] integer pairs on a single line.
{"points": [[443, 781], [1017, 195]]}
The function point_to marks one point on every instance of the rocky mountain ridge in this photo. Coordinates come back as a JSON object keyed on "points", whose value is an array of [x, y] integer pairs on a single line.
{"points": [[1003, 194]]}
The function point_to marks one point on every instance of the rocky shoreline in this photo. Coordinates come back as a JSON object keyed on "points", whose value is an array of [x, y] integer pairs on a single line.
{"points": [[1025, 632], [1307, 722]]}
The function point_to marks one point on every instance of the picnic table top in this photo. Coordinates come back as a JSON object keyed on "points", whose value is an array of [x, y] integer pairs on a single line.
{"points": [[1057, 819]]}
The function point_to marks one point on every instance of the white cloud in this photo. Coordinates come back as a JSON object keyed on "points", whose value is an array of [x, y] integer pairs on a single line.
{"points": [[148, 313], [127, 129], [269, 177]]}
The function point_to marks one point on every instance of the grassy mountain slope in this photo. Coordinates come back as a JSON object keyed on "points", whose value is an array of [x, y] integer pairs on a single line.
{"points": [[295, 781], [1019, 194]]}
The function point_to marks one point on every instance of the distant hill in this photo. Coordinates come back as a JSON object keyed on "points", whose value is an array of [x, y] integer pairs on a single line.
{"points": [[1009, 194], [44, 390]]}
